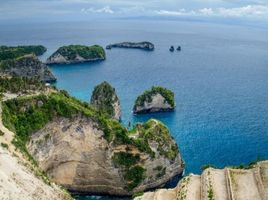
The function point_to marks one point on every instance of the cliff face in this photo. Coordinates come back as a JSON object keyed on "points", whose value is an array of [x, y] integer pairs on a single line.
{"points": [[77, 54], [83, 150], [104, 98], [224, 184], [140, 45], [157, 99], [27, 66], [75, 154]]}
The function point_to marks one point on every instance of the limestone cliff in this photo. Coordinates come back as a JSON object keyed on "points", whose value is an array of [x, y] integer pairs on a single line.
{"points": [[81, 149], [27, 66], [105, 99], [139, 45], [158, 99], [219, 184], [77, 54]]}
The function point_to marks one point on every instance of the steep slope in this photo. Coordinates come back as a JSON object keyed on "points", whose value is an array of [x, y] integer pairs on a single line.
{"points": [[105, 99], [250, 183]]}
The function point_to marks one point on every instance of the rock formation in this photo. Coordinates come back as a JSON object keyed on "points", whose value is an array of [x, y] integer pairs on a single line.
{"points": [[27, 66], [171, 49], [105, 99], [140, 45], [222, 184], [158, 99], [84, 151], [77, 54]]}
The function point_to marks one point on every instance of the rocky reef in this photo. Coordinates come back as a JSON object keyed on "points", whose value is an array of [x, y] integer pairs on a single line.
{"points": [[238, 183], [77, 54], [26, 66], [157, 99], [83, 150], [105, 99], [139, 45]]}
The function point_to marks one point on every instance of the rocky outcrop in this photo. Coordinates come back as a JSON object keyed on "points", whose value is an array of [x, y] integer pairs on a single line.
{"points": [[140, 45], [77, 54], [226, 184], [158, 99], [75, 154], [27, 66], [105, 99]]}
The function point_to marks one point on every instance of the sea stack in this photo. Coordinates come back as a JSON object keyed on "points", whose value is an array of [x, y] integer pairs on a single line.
{"points": [[179, 48], [157, 99], [171, 49], [105, 99]]}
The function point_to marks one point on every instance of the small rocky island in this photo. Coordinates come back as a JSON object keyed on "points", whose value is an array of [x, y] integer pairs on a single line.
{"points": [[77, 54], [105, 99], [157, 99], [148, 46], [22, 61]]}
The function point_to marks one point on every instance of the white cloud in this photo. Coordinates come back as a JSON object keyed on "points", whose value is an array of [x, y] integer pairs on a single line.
{"points": [[245, 11], [105, 9]]}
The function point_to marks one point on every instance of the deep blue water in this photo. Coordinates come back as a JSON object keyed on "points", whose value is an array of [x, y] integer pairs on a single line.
{"points": [[220, 79]]}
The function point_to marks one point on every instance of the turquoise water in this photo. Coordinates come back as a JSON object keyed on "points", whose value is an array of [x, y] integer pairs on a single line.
{"points": [[220, 79]]}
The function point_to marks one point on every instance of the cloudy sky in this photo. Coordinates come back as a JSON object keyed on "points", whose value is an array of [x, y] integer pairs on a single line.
{"points": [[90, 9]]}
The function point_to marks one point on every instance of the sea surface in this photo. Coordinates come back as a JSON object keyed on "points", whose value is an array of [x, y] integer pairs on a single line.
{"points": [[220, 79]]}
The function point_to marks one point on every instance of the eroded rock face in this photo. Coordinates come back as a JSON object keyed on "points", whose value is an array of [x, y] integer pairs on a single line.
{"points": [[29, 66], [139, 45], [157, 99], [105, 99], [223, 184], [75, 154]]}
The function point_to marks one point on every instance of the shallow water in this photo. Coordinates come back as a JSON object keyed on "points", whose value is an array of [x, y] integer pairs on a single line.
{"points": [[219, 78]]}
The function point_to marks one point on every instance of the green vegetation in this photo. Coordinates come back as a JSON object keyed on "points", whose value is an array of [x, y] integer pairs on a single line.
{"points": [[125, 159], [10, 53], [20, 84], [86, 52], [103, 98], [137, 194], [154, 130], [4, 145], [204, 167], [134, 176], [26, 115], [147, 96], [2, 133]]}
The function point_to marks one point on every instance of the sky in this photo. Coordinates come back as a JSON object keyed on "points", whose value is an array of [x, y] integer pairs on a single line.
{"points": [[90, 9]]}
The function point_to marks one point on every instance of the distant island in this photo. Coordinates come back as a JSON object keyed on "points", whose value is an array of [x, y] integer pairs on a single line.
{"points": [[77, 54], [139, 45], [157, 99]]}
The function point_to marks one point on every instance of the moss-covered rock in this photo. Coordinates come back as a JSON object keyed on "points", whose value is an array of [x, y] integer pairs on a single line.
{"points": [[77, 54], [105, 99], [157, 99]]}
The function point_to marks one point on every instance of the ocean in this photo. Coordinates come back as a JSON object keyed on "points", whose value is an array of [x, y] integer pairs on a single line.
{"points": [[220, 80]]}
